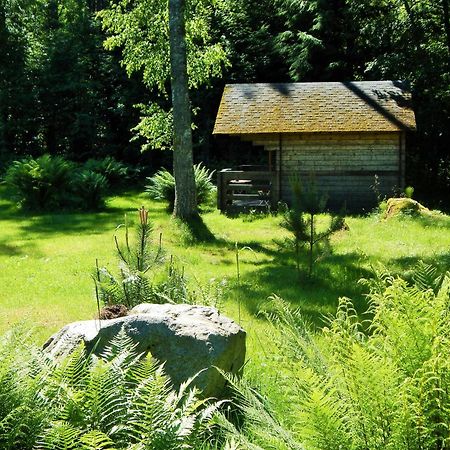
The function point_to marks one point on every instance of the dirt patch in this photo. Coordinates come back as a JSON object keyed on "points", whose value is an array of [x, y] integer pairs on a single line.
{"points": [[113, 312]]}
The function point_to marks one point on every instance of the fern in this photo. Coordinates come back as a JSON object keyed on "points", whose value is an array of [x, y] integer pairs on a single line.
{"points": [[388, 388], [96, 440], [426, 277], [60, 436], [162, 185], [117, 401]]}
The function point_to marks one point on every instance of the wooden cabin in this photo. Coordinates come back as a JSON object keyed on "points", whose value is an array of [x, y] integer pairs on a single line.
{"points": [[345, 134]]}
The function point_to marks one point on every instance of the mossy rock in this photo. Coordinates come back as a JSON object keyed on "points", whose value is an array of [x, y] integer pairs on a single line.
{"points": [[397, 206]]}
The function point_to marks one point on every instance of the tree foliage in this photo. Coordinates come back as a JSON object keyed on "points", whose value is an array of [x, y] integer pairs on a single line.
{"points": [[141, 30], [62, 92]]}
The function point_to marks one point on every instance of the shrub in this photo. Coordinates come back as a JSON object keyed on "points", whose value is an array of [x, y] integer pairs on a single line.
{"points": [[162, 185], [114, 171], [51, 183], [44, 183], [90, 189]]}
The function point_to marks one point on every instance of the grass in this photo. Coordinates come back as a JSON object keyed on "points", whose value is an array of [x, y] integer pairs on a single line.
{"points": [[46, 261]]}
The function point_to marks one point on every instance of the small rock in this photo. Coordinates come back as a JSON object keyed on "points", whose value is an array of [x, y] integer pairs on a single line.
{"points": [[186, 338]]}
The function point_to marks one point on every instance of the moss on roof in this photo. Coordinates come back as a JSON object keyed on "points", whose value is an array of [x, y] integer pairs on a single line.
{"points": [[382, 106]]}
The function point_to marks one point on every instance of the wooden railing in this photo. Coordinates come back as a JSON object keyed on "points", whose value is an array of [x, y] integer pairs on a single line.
{"points": [[239, 190]]}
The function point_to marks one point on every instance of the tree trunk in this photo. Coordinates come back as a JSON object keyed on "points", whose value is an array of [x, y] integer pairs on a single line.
{"points": [[185, 194]]}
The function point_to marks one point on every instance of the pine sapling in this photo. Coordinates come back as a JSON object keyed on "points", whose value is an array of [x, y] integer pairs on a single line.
{"points": [[301, 221]]}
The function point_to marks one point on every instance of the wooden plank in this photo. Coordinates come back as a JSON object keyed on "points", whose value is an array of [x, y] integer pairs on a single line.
{"points": [[245, 196], [248, 187], [341, 173]]}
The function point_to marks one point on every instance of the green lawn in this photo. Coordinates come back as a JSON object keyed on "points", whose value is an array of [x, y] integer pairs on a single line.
{"points": [[46, 261]]}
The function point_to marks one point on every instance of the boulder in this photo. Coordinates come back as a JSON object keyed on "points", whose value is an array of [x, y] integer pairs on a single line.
{"points": [[186, 338]]}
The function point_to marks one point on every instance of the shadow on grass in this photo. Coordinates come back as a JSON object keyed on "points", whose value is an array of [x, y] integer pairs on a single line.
{"points": [[335, 276], [406, 264], [195, 231], [80, 222], [74, 223], [433, 220], [10, 250]]}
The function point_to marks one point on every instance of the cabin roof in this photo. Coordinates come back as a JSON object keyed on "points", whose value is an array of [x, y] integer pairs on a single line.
{"points": [[363, 106]]}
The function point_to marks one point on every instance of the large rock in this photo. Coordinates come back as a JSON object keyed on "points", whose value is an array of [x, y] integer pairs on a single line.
{"points": [[186, 338], [397, 206]]}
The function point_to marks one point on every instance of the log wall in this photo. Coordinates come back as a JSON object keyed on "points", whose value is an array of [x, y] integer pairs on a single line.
{"points": [[344, 165]]}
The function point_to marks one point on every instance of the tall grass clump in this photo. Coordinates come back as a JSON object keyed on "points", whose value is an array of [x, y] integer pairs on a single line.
{"points": [[381, 383], [162, 185]]}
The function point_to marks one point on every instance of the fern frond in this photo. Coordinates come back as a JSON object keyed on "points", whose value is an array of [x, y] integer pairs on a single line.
{"points": [[60, 436], [96, 440], [425, 276]]}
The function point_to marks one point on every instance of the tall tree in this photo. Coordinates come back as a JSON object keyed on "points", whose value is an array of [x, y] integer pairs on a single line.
{"points": [[142, 30], [19, 27]]}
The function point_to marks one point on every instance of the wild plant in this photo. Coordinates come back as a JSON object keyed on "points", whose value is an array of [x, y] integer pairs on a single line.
{"points": [[51, 182], [301, 221], [114, 171], [133, 284], [376, 189], [177, 288], [379, 383], [44, 183], [117, 401], [257, 427], [162, 185], [90, 189], [174, 289], [139, 279], [23, 411]]}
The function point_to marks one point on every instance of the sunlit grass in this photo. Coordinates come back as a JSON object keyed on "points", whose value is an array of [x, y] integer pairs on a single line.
{"points": [[46, 261]]}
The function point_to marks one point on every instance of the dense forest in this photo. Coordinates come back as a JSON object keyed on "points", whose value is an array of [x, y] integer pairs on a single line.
{"points": [[62, 92]]}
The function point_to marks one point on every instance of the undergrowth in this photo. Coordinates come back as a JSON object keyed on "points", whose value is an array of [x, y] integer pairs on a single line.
{"points": [[117, 401], [387, 387]]}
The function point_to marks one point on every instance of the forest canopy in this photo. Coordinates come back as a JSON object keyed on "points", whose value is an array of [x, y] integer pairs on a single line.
{"points": [[62, 91]]}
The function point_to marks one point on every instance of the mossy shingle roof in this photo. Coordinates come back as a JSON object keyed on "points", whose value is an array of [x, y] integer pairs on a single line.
{"points": [[382, 106]]}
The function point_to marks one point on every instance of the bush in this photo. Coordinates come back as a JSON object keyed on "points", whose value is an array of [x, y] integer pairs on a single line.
{"points": [[44, 183], [51, 183], [90, 188], [162, 185], [114, 171]]}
